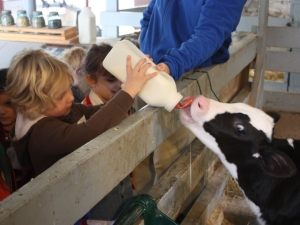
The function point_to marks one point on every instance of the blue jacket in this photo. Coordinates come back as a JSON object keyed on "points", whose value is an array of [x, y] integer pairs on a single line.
{"points": [[186, 34]]}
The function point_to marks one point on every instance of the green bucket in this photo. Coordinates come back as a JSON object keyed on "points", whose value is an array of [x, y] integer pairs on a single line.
{"points": [[143, 205]]}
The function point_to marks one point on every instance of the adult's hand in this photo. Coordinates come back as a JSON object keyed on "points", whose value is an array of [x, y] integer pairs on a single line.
{"points": [[163, 67]]}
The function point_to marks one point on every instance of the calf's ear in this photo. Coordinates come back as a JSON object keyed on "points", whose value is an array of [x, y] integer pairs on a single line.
{"points": [[274, 115], [277, 164]]}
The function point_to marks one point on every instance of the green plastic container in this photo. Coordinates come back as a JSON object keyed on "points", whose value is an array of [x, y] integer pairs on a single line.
{"points": [[143, 206]]}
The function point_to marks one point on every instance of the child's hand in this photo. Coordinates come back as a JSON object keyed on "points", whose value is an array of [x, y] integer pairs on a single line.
{"points": [[148, 56], [136, 77]]}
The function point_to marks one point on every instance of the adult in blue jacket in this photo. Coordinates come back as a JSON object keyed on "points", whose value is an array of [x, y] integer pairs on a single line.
{"points": [[181, 35]]}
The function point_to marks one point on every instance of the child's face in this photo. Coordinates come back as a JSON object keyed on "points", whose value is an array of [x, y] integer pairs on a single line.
{"points": [[63, 99], [7, 112], [106, 87]]}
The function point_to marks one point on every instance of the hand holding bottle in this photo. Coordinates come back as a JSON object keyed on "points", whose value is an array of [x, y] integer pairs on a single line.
{"points": [[136, 77], [163, 67]]}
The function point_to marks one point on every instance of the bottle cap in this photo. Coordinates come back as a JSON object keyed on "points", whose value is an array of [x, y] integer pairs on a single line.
{"points": [[21, 12], [6, 11], [37, 13], [53, 14], [173, 102]]}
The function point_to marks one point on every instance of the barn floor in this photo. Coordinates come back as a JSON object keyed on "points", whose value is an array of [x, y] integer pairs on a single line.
{"points": [[288, 126]]}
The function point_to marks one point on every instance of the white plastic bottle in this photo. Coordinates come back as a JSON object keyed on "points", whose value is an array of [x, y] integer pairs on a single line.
{"points": [[159, 91], [87, 26]]}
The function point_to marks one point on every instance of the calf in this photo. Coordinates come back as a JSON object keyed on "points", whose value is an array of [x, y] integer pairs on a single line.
{"points": [[266, 168]]}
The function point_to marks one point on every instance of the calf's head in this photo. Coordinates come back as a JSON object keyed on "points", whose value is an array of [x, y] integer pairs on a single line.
{"points": [[239, 134]]}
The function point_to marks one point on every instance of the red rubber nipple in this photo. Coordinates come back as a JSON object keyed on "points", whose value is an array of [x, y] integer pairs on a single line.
{"points": [[185, 103]]}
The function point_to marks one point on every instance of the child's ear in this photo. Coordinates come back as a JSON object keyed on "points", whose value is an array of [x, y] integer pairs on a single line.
{"points": [[91, 82]]}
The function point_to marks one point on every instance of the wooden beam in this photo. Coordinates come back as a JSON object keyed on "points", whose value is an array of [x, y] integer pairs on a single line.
{"points": [[281, 101], [283, 61], [178, 182], [208, 199], [256, 96], [283, 37]]}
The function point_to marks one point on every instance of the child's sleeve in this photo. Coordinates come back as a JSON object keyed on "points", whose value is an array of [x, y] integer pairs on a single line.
{"points": [[66, 138]]}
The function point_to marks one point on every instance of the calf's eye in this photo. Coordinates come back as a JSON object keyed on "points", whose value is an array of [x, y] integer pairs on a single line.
{"points": [[240, 128]]}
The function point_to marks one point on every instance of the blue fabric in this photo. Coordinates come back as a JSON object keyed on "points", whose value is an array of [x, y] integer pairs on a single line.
{"points": [[186, 34]]}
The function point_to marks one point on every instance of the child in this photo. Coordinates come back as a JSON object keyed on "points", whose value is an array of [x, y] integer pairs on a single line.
{"points": [[102, 86], [7, 119], [73, 58], [12, 175], [46, 129], [99, 85]]}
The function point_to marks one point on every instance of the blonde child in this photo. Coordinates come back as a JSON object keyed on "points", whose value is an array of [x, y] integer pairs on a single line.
{"points": [[38, 85], [100, 86], [73, 58]]}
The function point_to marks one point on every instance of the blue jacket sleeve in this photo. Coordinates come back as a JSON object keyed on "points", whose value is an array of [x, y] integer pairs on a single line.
{"points": [[218, 18], [146, 15]]}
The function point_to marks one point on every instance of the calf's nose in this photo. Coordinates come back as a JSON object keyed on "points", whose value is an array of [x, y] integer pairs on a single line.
{"points": [[202, 103]]}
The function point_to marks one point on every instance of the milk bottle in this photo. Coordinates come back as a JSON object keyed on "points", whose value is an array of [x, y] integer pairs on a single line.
{"points": [[159, 91]]}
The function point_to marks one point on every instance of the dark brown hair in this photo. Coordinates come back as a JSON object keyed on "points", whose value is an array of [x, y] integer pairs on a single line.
{"points": [[92, 65], [3, 74], [92, 62]]}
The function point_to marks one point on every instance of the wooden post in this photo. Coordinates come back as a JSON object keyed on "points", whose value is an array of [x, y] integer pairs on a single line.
{"points": [[256, 96]]}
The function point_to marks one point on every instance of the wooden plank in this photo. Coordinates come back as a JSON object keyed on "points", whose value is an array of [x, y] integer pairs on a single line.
{"points": [[209, 198], [26, 36], [64, 35], [175, 186], [283, 61], [229, 91], [247, 23], [117, 152], [256, 96], [243, 95], [53, 41], [285, 37], [216, 217], [45, 30], [281, 101]]}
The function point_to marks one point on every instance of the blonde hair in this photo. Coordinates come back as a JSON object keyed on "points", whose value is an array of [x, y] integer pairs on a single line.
{"points": [[34, 76], [74, 56]]}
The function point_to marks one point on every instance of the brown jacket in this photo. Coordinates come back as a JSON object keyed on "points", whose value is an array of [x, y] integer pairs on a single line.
{"points": [[50, 139]]}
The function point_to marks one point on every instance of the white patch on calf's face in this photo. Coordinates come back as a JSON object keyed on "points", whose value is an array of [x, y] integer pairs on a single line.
{"points": [[203, 110], [291, 142]]}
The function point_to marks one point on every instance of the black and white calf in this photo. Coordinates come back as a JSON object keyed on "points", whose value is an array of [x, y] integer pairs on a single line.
{"points": [[266, 168]]}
